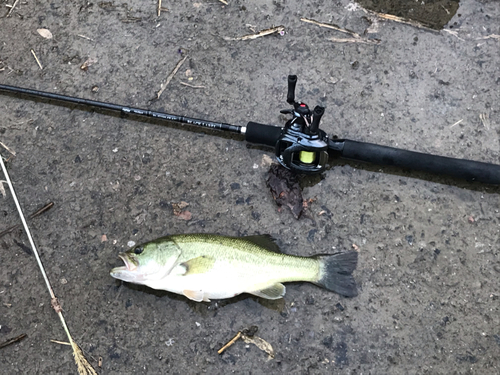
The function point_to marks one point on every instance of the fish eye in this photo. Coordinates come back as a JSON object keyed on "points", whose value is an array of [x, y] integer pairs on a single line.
{"points": [[138, 250]]}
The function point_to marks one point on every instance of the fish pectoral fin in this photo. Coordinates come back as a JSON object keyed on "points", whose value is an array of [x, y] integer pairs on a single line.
{"points": [[275, 291], [196, 295], [178, 270], [198, 265]]}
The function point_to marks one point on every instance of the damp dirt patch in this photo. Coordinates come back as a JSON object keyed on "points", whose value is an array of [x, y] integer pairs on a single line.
{"points": [[434, 14]]}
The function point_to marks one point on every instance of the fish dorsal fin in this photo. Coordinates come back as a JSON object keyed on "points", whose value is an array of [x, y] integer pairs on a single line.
{"points": [[264, 240], [275, 291], [198, 265], [196, 295]]}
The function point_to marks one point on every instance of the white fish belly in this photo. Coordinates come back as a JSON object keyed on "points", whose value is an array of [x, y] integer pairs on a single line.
{"points": [[224, 281]]}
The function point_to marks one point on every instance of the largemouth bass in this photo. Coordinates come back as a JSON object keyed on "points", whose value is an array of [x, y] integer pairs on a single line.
{"points": [[205, 266]]}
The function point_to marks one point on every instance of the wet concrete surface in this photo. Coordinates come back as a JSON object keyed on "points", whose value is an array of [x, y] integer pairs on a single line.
{"points": [[428, 246]]}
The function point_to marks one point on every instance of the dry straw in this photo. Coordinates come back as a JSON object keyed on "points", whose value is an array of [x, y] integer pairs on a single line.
{"points": [[84, 367]]}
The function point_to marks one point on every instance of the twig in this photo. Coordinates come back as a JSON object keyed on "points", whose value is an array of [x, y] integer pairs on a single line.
{"points": [[485, 119], [85, 37], [231, 342], [170, 76], [446, 10], [271, 30], [456, 123], [84, 367], [12, 340], [158, 9], [492, 36], [223, 2], [248, 335], [330, 26], [356, 38], [36, 58], [413, 23], [454, 33], [8, 149], [12, 8], [60, 342], [192, 86], [353, 40], [33, 215]]}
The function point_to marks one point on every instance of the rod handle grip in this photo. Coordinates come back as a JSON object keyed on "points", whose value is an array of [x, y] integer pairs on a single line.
{"points": [[262, 134], [441, 165]]}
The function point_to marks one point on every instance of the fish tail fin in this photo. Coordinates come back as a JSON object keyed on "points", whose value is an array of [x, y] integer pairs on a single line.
{"points": [[336, 273]]}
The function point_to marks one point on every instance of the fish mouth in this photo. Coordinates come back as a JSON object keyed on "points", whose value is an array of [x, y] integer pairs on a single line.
{"points": [[129, 271], [130, 266]]}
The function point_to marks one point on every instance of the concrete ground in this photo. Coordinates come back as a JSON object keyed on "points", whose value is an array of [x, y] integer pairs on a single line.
{"points": [[428, 246]]}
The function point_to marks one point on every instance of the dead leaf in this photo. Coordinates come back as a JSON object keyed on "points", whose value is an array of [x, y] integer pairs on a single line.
{"points": [[185, 215], [285, 189], [45, 33], [180, 212], [266, 161], [308, 202], [178, 207], [104, 238], [89, 62], [139, 219], [260, 343]]}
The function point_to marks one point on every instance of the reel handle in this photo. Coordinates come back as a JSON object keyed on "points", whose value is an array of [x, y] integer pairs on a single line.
{"points": [[317, 114], [292, 81]]}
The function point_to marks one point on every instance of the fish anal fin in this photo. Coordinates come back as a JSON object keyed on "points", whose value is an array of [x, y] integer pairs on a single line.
{"points": [[196, 295], [198, 265], [264, 240], [275, 291]]}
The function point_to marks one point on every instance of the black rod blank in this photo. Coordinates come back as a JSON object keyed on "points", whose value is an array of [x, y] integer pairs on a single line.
{"points": [[124, 109]]}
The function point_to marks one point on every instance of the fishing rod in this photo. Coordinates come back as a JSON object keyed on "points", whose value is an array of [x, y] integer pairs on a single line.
{"points": [[301, 145]]}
